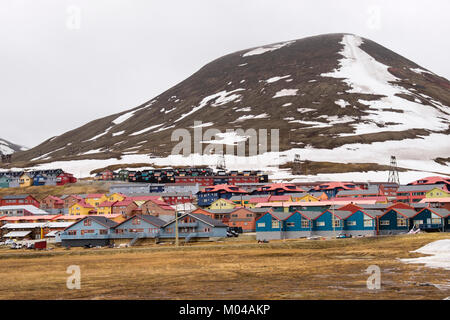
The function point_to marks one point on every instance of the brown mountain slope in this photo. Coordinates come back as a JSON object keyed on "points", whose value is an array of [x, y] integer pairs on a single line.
{"points": [[247, 89]]}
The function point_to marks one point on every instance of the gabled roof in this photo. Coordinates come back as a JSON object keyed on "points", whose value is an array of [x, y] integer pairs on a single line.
{"points": [[283, 186], [311, 215], [371, 190], [443, 213], [334, 185], [157, 222], [27, 207], [373, 213], [341, 214], [407, 213], [94, 195], [123, 203], [418, 187], [99, 219], [223, 187], [13, 197], [431, 180], [106, 204], [207, 219], [83, 204]]}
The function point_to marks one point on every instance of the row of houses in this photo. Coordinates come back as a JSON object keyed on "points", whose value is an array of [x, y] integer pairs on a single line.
{"points": [[350, 220], [16, 179], [100, 231]]}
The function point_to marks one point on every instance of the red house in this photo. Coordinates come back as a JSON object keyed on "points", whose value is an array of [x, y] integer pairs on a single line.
{"points": [[19, 200], [65, 178]]}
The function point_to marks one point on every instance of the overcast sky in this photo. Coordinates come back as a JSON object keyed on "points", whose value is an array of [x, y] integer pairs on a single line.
{"points": [[65, 63]]}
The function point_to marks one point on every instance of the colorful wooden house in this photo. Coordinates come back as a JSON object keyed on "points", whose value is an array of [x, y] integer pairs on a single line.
{"points": [[11, 200], [82, 209], [26, 180], [395, 220], [437, 193], [279, 189], [94, 199], [222, 204], [210, 194], [139, 226], [126, 208], [105, 207], [432, 219], [304, 197], [4, 181], [91, 230], [194, 226]]}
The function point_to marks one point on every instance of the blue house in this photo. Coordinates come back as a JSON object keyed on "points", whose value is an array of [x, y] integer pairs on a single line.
{"points": [[395, 221], [194, 226], [432, 219], [362, 223], [39, 180], [285, 225], [93, 230]]}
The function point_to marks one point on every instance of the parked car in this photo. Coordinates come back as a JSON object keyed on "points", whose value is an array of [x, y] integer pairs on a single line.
{"points": [[342, 235]]}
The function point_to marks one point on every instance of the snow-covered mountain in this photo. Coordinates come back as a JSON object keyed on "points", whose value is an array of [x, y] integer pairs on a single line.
{"points": [[7, 147], [334, 97]]}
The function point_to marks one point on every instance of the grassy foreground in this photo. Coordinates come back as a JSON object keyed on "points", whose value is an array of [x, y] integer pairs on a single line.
{"points": [[291, 269]]}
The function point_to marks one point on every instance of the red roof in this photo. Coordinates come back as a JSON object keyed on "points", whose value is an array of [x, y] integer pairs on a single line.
{"points": [[94, 195], [224, 187], [431, 180], [123, 203], [377, 198], [31, 218], [282, 186], [280, 198], [259, 199], [106, 204], [56, 199], [333, 185], [85, 205], [143, 198]]}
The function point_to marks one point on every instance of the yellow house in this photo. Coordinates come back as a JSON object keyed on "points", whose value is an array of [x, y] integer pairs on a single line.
{"points": [[95, 199], [437, 193], [25, 180], [114, 197], [105, 207], [222, 204], [81, 209], [306, 197]]}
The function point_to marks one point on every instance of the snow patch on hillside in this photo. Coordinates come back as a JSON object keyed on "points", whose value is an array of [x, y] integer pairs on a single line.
{"points": [[220, 98], [285, 93], [365, 75], [265, 49]]}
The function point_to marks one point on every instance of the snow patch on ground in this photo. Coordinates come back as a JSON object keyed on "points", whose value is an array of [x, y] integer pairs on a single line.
{"points": [[265, 49], [250, 116], [438, 255], [285, 93]]}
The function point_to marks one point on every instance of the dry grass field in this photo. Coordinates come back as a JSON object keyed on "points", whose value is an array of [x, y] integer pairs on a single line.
{"points": [[290, 269]]}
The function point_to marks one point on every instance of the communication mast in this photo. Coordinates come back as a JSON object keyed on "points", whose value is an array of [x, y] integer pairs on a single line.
{"points": [[221, 165], [297, 167], [393, 171]]}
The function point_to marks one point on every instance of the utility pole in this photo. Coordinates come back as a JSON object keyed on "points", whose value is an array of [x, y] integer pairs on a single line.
{"points": [[176, 228]]}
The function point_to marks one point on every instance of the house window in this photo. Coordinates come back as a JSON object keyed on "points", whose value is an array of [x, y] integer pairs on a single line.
{"points": [[103, 231], [290, 224], [368, 222], [351, 223], [336, 222], [418, 222], [401, 222], [384, 222], [136, 221], [72, 232], [305, 224], [320, 224], [87, 222], [261, 225], [275, 223]]}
